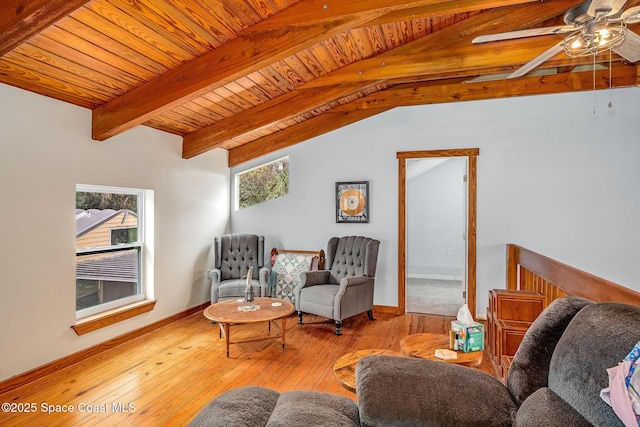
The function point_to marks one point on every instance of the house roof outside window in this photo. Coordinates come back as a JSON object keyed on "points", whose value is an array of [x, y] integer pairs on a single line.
{"points": [[119, 267], [87, 220]]}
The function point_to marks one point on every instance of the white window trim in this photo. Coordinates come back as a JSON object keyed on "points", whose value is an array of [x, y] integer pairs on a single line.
{"points": [[145, 245]]}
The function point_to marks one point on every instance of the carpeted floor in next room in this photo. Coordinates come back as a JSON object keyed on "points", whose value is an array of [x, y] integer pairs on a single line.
{"points": [[432, 296]]}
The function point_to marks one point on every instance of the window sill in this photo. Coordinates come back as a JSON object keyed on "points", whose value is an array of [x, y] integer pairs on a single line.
{"points": [[110, 317]]}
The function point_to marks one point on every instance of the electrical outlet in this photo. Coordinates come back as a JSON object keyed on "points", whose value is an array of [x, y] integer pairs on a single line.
{"points": [[449, 251]]}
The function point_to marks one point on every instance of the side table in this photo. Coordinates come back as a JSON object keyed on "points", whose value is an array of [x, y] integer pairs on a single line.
{"points": [[345, 366], [425, 345], [228, 313]]}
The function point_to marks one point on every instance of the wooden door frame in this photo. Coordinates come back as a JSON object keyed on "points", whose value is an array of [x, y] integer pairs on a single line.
{"points": [[472, 156]]}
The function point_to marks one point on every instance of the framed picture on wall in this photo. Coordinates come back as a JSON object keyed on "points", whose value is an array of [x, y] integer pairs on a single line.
{"points": [[352, 201]]}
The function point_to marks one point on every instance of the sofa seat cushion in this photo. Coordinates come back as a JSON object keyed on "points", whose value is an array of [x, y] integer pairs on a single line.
{"points": [[249, 406], [545, 408], [318, 299], [311, 408], [400, 391], [253, 406]]}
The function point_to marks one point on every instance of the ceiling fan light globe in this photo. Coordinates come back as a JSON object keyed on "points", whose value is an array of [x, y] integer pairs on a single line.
{"points": [[594, 38]]}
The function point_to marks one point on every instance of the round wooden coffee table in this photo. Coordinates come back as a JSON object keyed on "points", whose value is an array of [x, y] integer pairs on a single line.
{"points": [[234, 312], [425, 345], [345, 367]]}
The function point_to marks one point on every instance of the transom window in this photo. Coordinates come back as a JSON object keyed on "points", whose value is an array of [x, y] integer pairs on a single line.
{"points": [[262, 183], [109, 248]]}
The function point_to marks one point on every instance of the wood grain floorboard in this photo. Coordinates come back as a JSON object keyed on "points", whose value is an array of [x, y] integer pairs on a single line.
{"points": [[165, 377]]}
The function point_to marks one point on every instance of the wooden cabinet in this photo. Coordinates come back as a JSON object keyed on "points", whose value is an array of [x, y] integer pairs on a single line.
{"points": [[509, 315]]}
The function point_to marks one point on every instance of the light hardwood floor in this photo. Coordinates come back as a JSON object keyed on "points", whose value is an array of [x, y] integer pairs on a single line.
{"points": [[169, 374]]}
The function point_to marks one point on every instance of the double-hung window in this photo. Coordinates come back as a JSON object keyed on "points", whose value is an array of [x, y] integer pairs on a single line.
{"points": [[109, 248]]}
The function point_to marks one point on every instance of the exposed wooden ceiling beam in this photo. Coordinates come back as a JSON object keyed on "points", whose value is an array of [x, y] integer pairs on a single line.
{"points": [[443, 9], [435, 92], [263, 116], [457, 35], [443, 91], [22, 19], [298, 27], [473, 60]]}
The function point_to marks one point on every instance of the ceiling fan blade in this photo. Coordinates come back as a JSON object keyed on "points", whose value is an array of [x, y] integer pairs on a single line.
{"points": [[631, 15], [544, 56], [602, 8], [629, 49], [510, 35]]}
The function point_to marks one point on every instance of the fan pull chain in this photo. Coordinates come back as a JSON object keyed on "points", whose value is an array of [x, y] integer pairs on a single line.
{"points": [[594, 83], [610, 83]]}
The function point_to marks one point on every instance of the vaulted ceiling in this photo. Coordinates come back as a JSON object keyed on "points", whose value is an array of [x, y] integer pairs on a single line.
{"points": [[255, 76]]}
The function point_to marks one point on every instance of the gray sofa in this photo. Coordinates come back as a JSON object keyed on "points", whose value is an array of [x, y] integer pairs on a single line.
{"points": [[261, 406], [555, 380]]}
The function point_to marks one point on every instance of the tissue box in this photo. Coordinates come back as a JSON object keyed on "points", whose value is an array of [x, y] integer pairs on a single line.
{"points": [[470, 337]]}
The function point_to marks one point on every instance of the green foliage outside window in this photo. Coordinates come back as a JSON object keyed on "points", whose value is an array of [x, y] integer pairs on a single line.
{"points": [[267, 182], [115, 201]]}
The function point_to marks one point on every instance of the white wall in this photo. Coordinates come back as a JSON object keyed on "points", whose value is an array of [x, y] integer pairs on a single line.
{"points": [[552, 176], [436, 219], [45, 150]]}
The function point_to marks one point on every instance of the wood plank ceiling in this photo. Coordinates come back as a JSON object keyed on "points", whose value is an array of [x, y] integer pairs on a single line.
{"points": [[255, 76]]}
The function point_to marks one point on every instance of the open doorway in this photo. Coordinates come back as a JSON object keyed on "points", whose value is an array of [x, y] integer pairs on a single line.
{"points": [[463, 276], [436, 229]]}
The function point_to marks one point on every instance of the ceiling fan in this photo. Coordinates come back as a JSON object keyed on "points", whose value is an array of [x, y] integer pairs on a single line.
{"points": [[592, 27]]}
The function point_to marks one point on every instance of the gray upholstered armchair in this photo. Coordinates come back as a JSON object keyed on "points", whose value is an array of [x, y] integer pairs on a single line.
{"points": [[346, 288], [233, 255]]}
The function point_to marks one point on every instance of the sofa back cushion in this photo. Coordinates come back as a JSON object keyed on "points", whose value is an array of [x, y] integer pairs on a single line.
{"points": [[239, 407], [529, 370], [598, 338]]}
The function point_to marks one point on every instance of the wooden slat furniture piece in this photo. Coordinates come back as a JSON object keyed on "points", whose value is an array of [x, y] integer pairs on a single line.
{"points": [[530, 273], [425, 345], [319, 254], [229, 312], [509, 315], [286, 266]]}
